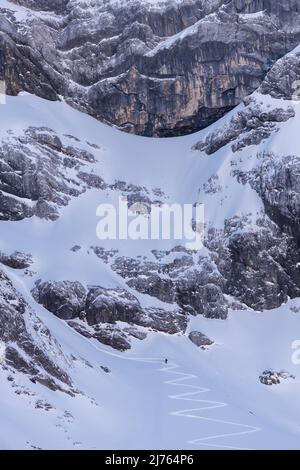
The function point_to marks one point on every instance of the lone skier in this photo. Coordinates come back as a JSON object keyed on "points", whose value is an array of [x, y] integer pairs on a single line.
{"points": [[166, 361]]}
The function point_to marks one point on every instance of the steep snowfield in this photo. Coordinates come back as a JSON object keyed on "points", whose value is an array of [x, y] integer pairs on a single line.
{"points": [[168, 164], [142, 403], [134, 407]]}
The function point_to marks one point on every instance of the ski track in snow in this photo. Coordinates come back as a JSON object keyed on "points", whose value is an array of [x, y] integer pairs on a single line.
{"points": [[192, 412], [206, 405]]}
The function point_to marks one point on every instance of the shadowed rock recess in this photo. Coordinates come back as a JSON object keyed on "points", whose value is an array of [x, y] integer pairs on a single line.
{"points": [[149, 69]]}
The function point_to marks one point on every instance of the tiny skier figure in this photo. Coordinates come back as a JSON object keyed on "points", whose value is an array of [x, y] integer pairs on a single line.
{"points": [[166, 361]]}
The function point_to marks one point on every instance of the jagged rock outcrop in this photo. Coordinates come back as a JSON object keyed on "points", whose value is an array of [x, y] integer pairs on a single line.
{"points": [[271, 377], [29, 346], [259, 264], [283, 80], [95, 312], [200, 339], [193, 284], [16, 260], [39, 174], [109, 306], [276, 180], [152, 71], [259, 115], [41, 171], [250, 126], [63, 298]]}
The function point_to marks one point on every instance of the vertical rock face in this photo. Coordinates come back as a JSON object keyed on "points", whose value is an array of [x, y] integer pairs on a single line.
{"points": [[154, 71]]}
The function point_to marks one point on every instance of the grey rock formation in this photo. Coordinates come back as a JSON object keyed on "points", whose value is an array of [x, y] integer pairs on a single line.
{"points": [[65, 299], [76, 248], [256, 121], [194, 285], [35, 174], [95, 312], [259, 265], [170, 322], [151, 71], [16, 260], [107, 334], [271, 377], [276, 179], [200, 339], [250, 126], [111, 305], [283, 79], [29, 346]]}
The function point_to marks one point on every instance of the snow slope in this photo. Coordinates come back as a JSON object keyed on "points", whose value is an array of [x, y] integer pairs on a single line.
{"points": [[142, 403], [138, 406]]}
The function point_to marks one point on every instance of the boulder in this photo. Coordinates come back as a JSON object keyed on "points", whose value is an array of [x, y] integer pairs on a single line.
{"points": [[200, 339]]}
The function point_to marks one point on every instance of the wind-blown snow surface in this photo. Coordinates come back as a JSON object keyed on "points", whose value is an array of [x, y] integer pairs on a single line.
{"points": [[141, 403]]}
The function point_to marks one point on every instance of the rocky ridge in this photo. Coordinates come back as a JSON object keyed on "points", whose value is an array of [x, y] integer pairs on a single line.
{"points": [[29, 345]]}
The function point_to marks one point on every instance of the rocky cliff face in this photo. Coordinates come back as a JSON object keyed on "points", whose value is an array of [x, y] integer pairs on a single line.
{"points": [[149, 70]]}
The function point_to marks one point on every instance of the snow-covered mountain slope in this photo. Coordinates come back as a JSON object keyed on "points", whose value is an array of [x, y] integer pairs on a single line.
{"points": [[133, 406], [86, 324]]}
